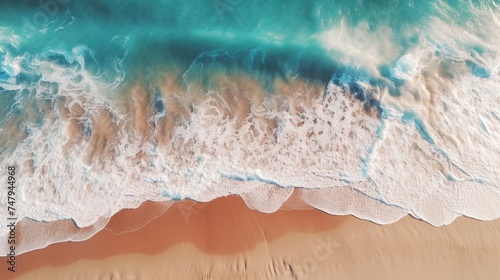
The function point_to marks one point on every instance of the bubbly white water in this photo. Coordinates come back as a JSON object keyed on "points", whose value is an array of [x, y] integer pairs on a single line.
{"points": [[434, 152]]}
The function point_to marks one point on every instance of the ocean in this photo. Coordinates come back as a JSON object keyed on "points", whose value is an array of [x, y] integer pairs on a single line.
{"points": [[378, 109]]}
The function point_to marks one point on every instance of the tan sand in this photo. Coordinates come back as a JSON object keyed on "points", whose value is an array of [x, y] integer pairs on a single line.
{"points": [[223, 239]]}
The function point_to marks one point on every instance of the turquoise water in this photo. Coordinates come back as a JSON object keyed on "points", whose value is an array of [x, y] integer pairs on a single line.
{"points": [[110, 103], [121, 41], [276, 38]]}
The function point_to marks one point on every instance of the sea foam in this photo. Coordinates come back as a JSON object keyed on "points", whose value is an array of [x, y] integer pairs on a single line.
{"points": [[403, 130]]}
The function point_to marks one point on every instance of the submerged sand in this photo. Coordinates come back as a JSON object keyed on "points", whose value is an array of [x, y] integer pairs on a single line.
{"points": [[224, 239]]}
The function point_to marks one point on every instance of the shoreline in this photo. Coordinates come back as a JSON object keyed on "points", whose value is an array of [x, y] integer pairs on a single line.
{"points": [[227, 239]]}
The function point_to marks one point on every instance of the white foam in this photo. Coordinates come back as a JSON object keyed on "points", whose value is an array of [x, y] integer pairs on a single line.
{"points": [[359, 46], [434, 154], [406, 67]]}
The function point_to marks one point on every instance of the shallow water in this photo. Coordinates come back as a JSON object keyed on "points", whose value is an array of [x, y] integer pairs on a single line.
{"points": [[376, 108]]}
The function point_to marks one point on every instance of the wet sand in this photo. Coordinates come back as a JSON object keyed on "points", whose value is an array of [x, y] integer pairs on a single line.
{"points": [[224, 239]]}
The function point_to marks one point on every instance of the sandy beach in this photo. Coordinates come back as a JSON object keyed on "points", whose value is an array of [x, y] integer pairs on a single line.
{"points": [[232, 139], [224, 239]]}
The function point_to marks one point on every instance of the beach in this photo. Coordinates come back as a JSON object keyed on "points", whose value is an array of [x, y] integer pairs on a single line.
{"points": [[224, 239], [249, 139]]}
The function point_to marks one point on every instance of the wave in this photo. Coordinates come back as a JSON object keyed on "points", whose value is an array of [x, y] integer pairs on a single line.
{"points": [[373, 121]]}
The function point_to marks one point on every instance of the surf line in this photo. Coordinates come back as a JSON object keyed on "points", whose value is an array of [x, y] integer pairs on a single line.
{"points": [[11, 218]]}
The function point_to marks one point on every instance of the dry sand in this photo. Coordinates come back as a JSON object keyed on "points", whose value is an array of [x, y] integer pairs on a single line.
{"points": [[223, 239]]}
